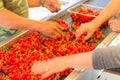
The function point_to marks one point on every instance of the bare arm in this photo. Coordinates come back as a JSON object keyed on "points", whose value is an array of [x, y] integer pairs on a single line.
{"points": [[110, 10], [101, 58], [14, 21], [80, 61], [59, 64]]}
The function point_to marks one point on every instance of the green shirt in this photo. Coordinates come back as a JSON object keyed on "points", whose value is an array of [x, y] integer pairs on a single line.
{"points": [[19, 7]]}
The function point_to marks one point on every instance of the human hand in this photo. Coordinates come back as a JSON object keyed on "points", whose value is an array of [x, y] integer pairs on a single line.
{"points": [[89, 27], [52, 5], [115, 25], [50, 29], [47, 68]]}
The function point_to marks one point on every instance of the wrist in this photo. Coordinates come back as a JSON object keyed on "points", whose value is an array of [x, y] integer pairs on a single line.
{"points": [[30, 24], [63, 61], [97, 22], [67, 61]]}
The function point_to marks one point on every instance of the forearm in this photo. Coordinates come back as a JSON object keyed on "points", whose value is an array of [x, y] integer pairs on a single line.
{"points": [[13, 21], [110, 10], [106, 58], [79, 61]]}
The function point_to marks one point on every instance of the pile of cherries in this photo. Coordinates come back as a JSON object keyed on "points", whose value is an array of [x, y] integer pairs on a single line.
{"points": [[82, 16], [16, 59]]}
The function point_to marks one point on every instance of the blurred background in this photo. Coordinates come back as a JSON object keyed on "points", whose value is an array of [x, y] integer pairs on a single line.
{"points": [[38, 13]]}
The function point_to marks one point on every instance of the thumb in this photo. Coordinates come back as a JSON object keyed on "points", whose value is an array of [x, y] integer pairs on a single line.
{"points": [[45, 75], [88, 36]]}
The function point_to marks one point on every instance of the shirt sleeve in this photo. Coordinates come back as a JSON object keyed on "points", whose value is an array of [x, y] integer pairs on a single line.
{"points": [[106, 58], [1, 5]]}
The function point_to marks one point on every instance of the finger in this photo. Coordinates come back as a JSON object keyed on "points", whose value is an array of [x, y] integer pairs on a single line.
{"points": [[35, 70], [38, 67], [59, 26], [57, 7], [35, 62], [51, 34], [55, 4], [79, 32], [57, 34], [112, 25], [50, 7], [88, 36], [115, 29], [110, 21], [45, 75], [54, 35], [34, 66], [58, 29]]}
